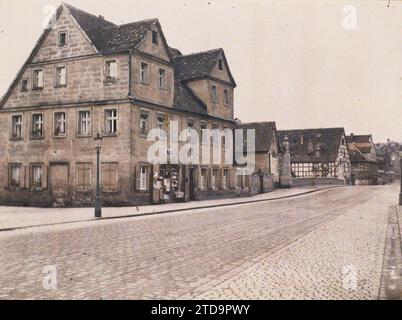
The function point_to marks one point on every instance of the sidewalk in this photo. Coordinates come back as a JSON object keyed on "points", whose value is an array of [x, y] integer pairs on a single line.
{"points": [[22, 217]]}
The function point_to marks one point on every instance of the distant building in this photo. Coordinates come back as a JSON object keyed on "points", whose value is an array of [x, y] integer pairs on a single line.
{"points": [[388, 158], [266, 153], [363, 158], [318, 153]]}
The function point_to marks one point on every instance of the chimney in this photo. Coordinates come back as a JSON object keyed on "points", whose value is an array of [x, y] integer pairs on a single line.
{"points": [[351, 134], [102, 17], [301, 139], [388, 140]]}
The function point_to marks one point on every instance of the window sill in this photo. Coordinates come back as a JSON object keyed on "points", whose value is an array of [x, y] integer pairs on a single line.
{"points": [[59, 136], [144, 83], [109, 80], [144, 135], [37, 89], [24, 90], [110, 135], [17, 139], [163, 88], [89, 191], [83, 136], [58, 86], [37, 138]]}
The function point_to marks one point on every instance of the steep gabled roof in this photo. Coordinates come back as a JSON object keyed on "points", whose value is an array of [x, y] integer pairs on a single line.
{"points": [[264, 134], [356, 156], [185, 100], [90, 24], [125, 37], [359, 138], [199, 65], [304, 144]]}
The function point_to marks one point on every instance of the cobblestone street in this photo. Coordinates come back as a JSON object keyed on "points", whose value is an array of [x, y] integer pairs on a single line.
{"points": [[307, 247]]}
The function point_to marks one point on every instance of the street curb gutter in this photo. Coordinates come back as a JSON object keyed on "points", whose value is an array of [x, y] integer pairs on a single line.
{"points": [[172, 210]]}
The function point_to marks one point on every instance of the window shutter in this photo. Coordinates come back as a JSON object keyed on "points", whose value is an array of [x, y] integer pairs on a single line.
{"points": [[137, 177], [26, 176], [44, 176]]}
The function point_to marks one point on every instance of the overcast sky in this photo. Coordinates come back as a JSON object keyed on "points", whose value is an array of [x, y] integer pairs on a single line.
{"points": [[294, 62]]}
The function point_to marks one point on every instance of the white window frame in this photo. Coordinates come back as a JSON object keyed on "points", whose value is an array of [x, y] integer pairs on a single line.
{"points": [[162, 79], [61, 122], [38, 82], [214, 173], [225, 178], [111, 119], [37, 124], [14, 126], [17, 167], [87, 121], [144, 118], [110, 73], [203, 178], [144, 72], [143, 177], [36, 175], [60, 80]]}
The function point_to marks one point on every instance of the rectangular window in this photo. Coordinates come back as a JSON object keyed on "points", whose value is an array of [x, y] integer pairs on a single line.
{"points": [[36, 176], [160, 125], [190, 126], [37, 125], [24, 85], [38, 79], [62, 38], [84, 176], [203, 127], [162, 79], [110, 177], [15, 175], [154, 37], [214, 174], [61, 76], [59, 124], [110, 69], [16, 130], [143, 123], [84, 123], [203, 179], [111, 121], [214, 94], [143, 177], [220, 64], [144, 73], [226, 97], [225, 179]]}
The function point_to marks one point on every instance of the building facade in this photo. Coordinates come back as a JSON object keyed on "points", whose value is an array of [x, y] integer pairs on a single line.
{"points": [[318, 153], [267, 155], [364, 159], [86, 76]]}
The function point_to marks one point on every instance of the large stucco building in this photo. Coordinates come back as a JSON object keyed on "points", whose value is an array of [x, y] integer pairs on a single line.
{"points": [[87, 75]]}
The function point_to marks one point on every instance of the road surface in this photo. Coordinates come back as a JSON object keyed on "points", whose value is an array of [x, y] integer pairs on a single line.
{"points": [[326, 245]]}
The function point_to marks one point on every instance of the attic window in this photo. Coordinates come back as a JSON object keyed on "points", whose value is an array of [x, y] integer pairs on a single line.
{"points": [[24, 85], [154, 37], [62, 38], [220, 64], [110, 69]]}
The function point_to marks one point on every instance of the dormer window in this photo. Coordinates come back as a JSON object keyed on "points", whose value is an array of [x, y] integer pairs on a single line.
{"points": [[154, 37], [220, 64], [62, 38], [162, 79]]}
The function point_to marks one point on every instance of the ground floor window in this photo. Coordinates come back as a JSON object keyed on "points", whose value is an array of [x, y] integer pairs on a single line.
{"points": [[170, 181], [110, 177], [203, 179], [15, 175], [36, 176], [214, 174], [143, 176], [225, 179], [84, 177]]}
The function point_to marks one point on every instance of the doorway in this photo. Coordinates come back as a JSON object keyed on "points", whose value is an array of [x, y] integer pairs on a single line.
{"points": [[59, 184]]}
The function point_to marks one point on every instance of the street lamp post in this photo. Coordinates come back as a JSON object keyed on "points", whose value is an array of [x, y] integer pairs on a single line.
{"points": [[400, 192], [98, 203]]}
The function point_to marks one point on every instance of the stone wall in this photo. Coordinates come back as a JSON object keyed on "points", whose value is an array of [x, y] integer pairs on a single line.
{"points": [[314, 181]]}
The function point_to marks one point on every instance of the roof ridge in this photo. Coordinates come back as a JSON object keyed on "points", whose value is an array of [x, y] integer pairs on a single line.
{"points": [[134, 22], [201, 52], [342, 128], [90, 14]]}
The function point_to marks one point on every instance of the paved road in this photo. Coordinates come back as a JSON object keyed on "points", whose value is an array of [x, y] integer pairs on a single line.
{"points": [[202, 254]]}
